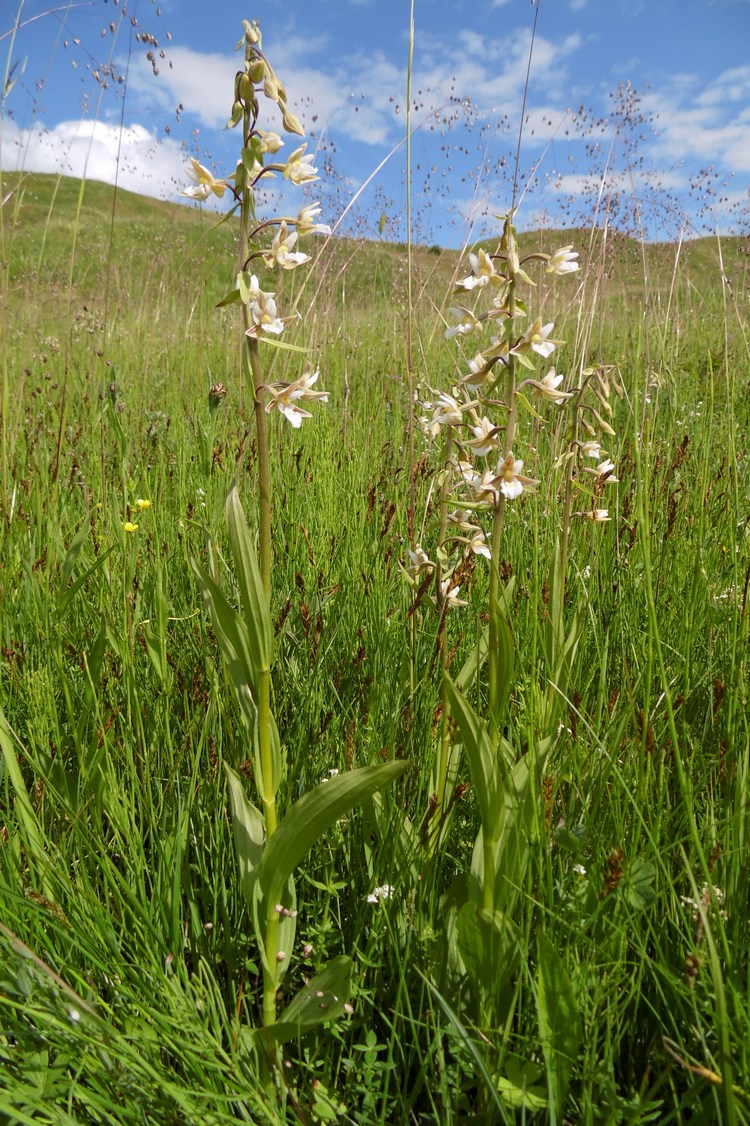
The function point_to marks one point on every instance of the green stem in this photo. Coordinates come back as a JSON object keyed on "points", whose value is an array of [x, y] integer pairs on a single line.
{"points": [[493, 654], [253, 372], [444, 749]]}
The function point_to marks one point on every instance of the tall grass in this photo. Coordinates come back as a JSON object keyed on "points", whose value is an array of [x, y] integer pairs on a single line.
{"points": [[129, 977]]}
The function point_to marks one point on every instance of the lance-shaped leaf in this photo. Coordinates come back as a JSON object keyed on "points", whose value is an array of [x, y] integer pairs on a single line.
{"points": [[489, 946], [257, 613], [504, 665], [231, 634], [483, 765], [311, 817], [318, 1002], [249, 834], [559, 1022]]}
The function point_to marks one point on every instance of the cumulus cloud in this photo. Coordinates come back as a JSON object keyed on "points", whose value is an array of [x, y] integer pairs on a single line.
{"points": [[132, 157], [704, 123]]}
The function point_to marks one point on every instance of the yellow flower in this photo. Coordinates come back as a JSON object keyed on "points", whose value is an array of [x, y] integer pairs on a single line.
{"points": [[128, 527], [140, 503]]}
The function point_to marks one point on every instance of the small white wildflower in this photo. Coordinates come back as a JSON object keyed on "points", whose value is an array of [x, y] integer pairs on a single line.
{"points": [[299, 168], [563, 261], [306, 221], [419, 561], [385, 891], [511, 480], [536, 339], [282, 252], [547, 388], [449, 594], [467, 323], [485, 438]]}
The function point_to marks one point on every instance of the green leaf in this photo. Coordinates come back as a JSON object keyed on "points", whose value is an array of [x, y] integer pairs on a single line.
{"points": [[68, 564], [257, 614], [230, 298], [639, 884], [488, 943], [559, 1022], [231, 634], [31, 832], [466, 1041], [243, 286], [312, 816], [505, 664], [320, 1001], [285, 346], [249, 834], [519, 1088], [397, 832], [481, 757]]}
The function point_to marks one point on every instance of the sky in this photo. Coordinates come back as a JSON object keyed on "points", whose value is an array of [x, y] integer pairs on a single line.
{"points": [[631, 112]]}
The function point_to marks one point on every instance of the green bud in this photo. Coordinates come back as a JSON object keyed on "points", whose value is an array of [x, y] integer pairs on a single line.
{"points": [[271, 85], [252, 32], [256, 70], [292, 124]]}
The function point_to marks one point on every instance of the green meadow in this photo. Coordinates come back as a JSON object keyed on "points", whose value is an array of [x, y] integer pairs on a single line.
{"points": [[604, 978]]}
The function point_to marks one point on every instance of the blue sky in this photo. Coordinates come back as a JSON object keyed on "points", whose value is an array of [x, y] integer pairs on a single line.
{"points": [[671, 152]]}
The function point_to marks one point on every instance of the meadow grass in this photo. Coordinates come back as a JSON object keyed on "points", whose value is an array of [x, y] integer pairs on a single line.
{"points": [[129, 976]]}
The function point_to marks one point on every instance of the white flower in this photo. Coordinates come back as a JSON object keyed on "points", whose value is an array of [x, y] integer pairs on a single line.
{"points": [[282, 252], [605, 471], [446, 411], [285, 397], [547, 387], [485, 438], [483, 486], [467, 322], [205, 183], [478, 544], [419, 561], [591, 449], [596, 515], [461, 517], [535, 339], [479, 373], [299, 168], [269, 142], [563, 261], [305, 221], [483, 271], [385, 891], [263, 312], [510, 479], [449, 594]]}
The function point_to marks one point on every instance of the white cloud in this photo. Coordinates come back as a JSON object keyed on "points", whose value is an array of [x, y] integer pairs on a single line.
{"points": [[133, 157], [710, 127]]}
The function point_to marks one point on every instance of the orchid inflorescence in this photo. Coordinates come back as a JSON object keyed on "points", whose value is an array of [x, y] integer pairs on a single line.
{"points": [[476, 422], [263, 318]]}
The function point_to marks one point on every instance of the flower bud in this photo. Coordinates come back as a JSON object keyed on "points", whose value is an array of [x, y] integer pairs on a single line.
{"points": [[292, 124], [271, 86], [256, 70], [252, 32]]}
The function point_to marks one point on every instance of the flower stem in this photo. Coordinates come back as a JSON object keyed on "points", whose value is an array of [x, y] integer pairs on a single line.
{"points": [[444, 749]]}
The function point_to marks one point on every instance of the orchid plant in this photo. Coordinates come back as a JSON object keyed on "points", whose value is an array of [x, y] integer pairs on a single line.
{"points": [[270, 845], [476, 426]]}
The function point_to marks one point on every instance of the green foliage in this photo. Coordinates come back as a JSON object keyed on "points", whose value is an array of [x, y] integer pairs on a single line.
{"points": [[130, 849]]}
